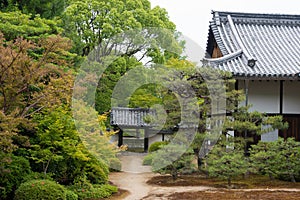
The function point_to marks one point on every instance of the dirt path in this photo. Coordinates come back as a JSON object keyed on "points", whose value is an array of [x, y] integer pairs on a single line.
{"points": [[134, 176]]}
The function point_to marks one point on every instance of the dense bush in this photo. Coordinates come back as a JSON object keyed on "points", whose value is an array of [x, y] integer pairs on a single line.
{"points": [[70, 195], [97, 172], [173, 160], [148, 159], [278, 159], [227, 162], [37, 176], [263, 159], [12, 175], [115, 165], [40, 190], [57, 148], [94, 191], [86, 190], [157, 145]]}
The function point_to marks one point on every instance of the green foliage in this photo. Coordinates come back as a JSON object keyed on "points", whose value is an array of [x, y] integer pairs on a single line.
{"points": [[36, 176], [97, 172], [108, 81], [92, 25], [164, 92], [20, 73], [90, 22], [28, 86], [57, 149], [279, 159], [263, 158], [85, 190], [50, 147], [288, 154], [40, 190], [226, 161], [148, 159], [115, 165], [172, 159], [16, 24], [157, 145], [9, 166], [254, 121], [70, 195], [46, 9], [12, 175], [32, 79], [90, 125]]}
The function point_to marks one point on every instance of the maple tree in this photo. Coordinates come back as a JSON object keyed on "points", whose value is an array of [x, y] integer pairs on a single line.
{"points": [[31, 75], [32, 78]]}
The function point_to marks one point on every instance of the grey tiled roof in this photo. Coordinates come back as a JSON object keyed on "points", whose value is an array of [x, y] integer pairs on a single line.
{"points": [[272, 40], [130, 117]]}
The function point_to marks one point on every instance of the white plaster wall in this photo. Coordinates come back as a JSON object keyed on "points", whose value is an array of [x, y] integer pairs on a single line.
{"points": [[291, 97], [264, 96], [155, 138], [269, 136]]}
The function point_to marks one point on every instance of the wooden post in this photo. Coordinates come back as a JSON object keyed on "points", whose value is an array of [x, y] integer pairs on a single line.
{"points": [[146, 140], [120, 140], [281, 132], [246, 104]]}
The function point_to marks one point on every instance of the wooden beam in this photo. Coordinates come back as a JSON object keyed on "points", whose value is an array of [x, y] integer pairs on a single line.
{"points": [[120, 139], [281, 98], [146, 140]]}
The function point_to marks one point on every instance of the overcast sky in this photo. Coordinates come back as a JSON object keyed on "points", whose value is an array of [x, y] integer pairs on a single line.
{"points": [[192, 16]]}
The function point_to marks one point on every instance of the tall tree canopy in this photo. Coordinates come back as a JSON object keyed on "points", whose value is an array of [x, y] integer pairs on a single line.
{"points": [[16, 24], [110, 27], [91, 22], [45, 8]]}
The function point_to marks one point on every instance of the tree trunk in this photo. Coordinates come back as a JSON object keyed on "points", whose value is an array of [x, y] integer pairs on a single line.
{"points": [[199, 160], [229, 181], [271, 176], [292, 177], [174, 174], [46, 168]]}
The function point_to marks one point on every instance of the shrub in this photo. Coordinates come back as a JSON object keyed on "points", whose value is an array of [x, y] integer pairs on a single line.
{"points": [[40, 190], [279, 159], [148, 159], [110, 188], [115, 165], [173, 160], [226, 162], [287, 156], [97, 172], [263, 159], [157, 145], [70, 195], [37, 176], [12, 175], [94, 191]]}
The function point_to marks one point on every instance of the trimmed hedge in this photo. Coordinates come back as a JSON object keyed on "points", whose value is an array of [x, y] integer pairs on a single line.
{"points": [[148, 159], [94, 191], [157, 145], [40, 190], [115, 165]]}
